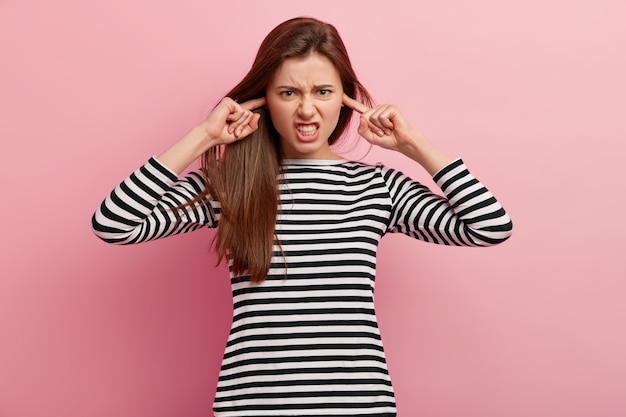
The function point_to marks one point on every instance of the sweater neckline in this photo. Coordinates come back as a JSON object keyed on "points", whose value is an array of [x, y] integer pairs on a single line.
{"points": [[313, 162]]}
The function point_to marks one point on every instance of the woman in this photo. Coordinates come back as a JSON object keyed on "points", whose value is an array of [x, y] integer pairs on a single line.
{"points": [[299, 225]]}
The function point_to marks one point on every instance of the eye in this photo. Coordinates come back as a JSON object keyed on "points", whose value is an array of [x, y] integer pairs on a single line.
{"points": [[324, 92], [286, 93]]}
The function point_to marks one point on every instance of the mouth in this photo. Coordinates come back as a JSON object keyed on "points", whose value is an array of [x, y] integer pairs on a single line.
{"points": [[307, 129], [307, 132]]}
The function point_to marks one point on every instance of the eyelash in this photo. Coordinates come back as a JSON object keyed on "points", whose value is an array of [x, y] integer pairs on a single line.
{"points": [[323, 92]]}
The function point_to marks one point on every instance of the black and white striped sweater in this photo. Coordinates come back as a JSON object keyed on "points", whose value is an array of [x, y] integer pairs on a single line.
{"points": [[305, 342]]}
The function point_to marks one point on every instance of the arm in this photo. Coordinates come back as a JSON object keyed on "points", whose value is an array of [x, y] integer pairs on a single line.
{"points": [[469, 215], [227, 123], [151, 202], [385, 126]]}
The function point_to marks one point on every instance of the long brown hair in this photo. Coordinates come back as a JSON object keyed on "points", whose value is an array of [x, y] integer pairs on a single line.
{"points": [[243, 176]]}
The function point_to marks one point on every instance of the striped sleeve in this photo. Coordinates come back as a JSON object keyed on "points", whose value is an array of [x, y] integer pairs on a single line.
{"points": [[469, 215], [148, 205]]}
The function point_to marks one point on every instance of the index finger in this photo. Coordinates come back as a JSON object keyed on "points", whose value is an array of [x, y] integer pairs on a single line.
{"points": [[254, 104], [354, 105]]}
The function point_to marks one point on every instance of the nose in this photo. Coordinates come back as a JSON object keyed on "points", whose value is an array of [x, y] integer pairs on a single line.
{"points": [[306, 110]]}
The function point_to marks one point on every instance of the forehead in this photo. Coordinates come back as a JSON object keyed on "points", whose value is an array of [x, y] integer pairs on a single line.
{"points": [[313, 69]]}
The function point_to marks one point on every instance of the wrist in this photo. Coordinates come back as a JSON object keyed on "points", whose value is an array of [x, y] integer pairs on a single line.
{"points": [[425, 153], [200, 140], [413, 146], [189, 148]]}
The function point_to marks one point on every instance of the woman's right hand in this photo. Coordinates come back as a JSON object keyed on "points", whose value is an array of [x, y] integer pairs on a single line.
{"points": [[230, 121]]}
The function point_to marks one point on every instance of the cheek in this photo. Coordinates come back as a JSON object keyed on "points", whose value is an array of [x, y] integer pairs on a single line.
{"points": [[279, 112], [333, 110]]}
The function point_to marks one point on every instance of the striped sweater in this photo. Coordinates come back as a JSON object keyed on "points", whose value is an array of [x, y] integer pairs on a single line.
{"points": [[305, 342]]}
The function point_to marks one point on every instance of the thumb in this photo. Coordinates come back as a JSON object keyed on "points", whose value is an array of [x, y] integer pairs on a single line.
{"points": [[365, 131]]}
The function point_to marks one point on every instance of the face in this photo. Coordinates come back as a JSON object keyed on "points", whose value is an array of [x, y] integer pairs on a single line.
{"points": [[304, 100]]}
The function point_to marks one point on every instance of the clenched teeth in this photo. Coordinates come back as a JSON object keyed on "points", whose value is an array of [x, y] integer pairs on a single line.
{"points": [[307, 129]]}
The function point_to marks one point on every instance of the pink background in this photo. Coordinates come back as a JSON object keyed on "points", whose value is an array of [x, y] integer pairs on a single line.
{"points": [[531, 93]]}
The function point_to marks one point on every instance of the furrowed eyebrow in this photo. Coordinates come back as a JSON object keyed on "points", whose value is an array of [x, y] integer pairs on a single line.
{"points": [[316, 87]]}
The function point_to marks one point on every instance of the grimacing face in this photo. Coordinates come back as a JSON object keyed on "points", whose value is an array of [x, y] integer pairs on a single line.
{"points": [[304, 99]]}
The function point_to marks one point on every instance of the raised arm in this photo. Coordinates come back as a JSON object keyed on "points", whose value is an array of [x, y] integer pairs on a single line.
{"points": [[386, 126], [152, 202], [468, 215], [227, 123]]}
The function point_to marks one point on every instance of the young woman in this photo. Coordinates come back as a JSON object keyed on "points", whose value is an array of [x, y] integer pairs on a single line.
{"points": [[299, 225]]}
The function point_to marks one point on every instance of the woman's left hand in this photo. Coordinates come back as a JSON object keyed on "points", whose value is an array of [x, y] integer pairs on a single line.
{"points": [[383, 125]]}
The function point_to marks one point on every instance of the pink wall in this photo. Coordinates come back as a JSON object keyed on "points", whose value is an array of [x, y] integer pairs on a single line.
{"points": [[530, 93]]}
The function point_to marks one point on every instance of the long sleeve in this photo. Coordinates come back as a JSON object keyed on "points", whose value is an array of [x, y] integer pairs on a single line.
{"points": [[469, 215], [150, 204]]}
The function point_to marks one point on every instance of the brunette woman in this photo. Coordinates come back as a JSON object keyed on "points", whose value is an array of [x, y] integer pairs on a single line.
{"points": [[299, 225]]}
